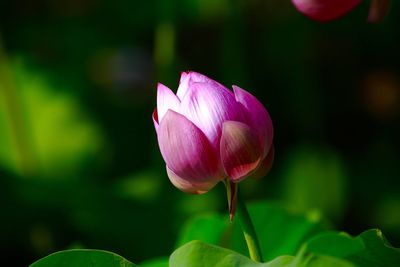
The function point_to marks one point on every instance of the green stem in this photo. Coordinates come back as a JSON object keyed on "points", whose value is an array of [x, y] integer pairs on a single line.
{"points": [[248, 230]]}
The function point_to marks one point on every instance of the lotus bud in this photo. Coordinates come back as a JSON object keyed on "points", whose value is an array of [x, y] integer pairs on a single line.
{"points": [[208, 133]]}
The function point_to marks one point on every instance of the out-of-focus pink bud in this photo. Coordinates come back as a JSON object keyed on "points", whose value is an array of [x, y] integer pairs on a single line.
{"points": [[325, 10], [207, 133]]}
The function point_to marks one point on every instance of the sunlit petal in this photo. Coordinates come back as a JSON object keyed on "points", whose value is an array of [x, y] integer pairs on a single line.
{"points": [[186, 150], [187, 78], [208, 105], [166, 99]]}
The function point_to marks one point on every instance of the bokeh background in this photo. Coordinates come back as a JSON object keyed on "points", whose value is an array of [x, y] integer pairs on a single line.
{"points": [[79, 161]]}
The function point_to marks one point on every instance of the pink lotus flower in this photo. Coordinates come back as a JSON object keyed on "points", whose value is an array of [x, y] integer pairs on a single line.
{"points": [[325, 10], [207, 133]]}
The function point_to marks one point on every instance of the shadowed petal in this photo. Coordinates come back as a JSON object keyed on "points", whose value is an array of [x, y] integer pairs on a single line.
{"points": [[166, 99], [186, 150], [208, 105], [240, 150], [190, 186], [265, 165], [324, 10], [155, 119], [257, 117]]}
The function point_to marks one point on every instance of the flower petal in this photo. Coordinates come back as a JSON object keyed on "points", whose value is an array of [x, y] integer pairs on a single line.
{"points": [[166, 99], [265, 165], [186, 79], [208, 105], [324, 10], [240, 150], [257, 117], [190, 186], [186, 150], [183, 85]]}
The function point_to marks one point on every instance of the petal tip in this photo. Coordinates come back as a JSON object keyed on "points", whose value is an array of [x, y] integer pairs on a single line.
{"points": [[166, 99]]}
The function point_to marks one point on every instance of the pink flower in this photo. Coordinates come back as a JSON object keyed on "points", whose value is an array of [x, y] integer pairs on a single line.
{"points": [[325, 10], [207, 133]]}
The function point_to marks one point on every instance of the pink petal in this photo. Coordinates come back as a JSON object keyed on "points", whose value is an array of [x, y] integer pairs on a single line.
{"points": [[155, 119], [240, 150], [208, 105], [183, 85], [186, 150], [265, 165], [166, 99], [257, 117], [186, 79], [190, 186], [325, 10]]}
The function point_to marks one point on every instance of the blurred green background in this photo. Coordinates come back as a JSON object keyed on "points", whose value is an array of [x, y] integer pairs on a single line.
{"points": [[79, 161]]}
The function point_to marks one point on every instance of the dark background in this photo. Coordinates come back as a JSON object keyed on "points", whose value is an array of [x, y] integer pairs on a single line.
{"points": [[79, 162]]}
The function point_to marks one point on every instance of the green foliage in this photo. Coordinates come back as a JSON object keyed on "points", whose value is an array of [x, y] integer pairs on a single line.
{"points": [[157, 262], [83, 258], [328, 249], [199, 254], [322, 261], [279, 230], [287, 240], [368, 249]]}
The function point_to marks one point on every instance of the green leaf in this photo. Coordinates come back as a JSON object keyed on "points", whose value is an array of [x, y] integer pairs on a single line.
{"points": [[279, 230], [340, 245], [325, 261], [156, 262], [199, 254], [83, 258], [368, 249]]}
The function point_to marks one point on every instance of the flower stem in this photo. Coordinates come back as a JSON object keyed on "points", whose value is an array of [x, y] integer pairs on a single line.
{"points": [[248, 231]]}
